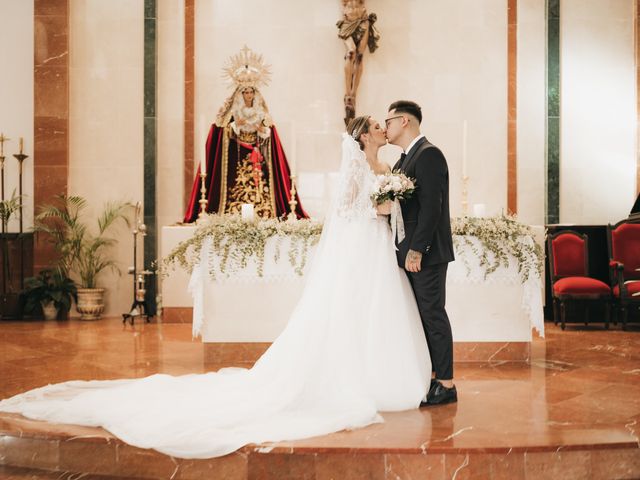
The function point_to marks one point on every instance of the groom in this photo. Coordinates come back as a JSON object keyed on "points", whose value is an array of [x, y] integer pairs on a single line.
{"points": [[427, 247]]}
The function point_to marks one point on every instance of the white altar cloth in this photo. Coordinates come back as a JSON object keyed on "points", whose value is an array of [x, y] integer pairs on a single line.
{"points": [[243, 306], [247, 308]]}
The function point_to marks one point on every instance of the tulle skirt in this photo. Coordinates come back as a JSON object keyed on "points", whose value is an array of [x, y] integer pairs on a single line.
{"points": [[353, 347]]}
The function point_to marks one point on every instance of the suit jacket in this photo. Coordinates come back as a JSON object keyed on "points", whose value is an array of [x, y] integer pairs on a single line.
{"points": [[426, 215]]}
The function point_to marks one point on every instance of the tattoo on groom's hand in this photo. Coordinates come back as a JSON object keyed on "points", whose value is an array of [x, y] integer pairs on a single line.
{"points": [[413, 261]]}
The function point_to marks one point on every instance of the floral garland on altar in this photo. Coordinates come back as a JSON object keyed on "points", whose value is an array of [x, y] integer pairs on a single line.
{"points": [[501, 236], [236, 241]]}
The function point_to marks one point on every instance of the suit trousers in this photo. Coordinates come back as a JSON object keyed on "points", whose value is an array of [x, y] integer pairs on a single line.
{"points": [[429, 288]]}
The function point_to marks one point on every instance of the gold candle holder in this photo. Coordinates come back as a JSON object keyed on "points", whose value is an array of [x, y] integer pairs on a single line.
{"points": [[21, 157], [2, 157], [292, 202], [465, 196], [203, 195]]}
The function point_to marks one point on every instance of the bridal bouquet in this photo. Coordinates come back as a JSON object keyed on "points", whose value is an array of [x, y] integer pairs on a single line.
{"points": [[392, 186]]}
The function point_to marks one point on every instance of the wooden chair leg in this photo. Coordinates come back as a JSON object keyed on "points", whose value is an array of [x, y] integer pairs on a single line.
{"points": [[556, 311], [607, 314], [586, 313], [563, 314], [624, 311]]}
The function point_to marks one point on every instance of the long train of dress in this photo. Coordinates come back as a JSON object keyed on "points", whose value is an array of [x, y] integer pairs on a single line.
{"points": [[354, 346]]}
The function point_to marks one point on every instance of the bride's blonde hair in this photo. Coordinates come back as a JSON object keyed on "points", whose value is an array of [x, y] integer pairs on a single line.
{"points": [[357, 127]]}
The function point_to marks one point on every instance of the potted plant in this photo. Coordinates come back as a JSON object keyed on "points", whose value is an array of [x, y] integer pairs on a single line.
{"points": [[49, 291], [82, 254]]}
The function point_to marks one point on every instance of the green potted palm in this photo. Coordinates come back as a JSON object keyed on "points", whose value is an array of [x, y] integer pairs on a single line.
{"points": [[50, 291], [83, 254]]}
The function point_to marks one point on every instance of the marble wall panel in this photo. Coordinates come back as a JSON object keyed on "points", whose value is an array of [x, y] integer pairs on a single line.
{"points": [[531, 111], [106, 120], [598, 123], [51, 110]]}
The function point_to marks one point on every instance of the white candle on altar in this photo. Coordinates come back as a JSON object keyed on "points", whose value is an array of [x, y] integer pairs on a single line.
{"points": [[247, 212], [464, 148], [479, 210]]}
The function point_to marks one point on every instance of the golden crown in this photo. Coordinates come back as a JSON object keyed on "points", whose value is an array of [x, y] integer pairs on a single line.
{"points": [[247, 69]]}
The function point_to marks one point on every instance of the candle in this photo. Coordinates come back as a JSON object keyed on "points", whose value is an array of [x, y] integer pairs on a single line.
{"points": [[464, 148], [247, 212], [479, 210], [20, 144]]}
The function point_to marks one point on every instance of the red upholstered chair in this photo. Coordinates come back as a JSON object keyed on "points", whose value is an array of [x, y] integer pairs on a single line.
{"points": [[624, 265], [569, 272]]}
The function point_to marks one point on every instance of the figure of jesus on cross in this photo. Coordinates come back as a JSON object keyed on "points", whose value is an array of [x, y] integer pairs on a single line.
{"points": [[357, 31]]}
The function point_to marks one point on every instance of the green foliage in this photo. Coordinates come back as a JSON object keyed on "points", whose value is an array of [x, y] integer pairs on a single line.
{"points": [[81, 252], [49, 286], [501, 236], [236, 241], [9, 207]]}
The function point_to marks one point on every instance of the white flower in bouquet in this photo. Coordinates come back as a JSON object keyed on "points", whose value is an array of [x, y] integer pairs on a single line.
{"points": [[392, 186]]}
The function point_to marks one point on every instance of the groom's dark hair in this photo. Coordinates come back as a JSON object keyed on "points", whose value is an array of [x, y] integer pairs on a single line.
{"points": [[407, 106]]}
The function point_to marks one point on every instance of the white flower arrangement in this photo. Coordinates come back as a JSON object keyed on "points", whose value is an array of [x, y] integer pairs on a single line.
{"points": [[392, 186], [500, 236], [236, 241]]}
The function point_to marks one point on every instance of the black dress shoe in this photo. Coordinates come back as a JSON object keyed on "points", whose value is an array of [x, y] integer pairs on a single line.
{"points": [[440, 395], [434, 383]]}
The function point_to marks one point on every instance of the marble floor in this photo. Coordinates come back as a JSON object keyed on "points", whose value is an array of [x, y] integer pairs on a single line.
{"points": [[572, 412]]}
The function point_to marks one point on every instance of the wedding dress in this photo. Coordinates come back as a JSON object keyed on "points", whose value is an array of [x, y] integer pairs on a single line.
{"points": [[353, 347]]}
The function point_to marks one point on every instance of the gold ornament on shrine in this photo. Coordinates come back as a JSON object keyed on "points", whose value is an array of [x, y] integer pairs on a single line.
{"points": [[247, 69]]}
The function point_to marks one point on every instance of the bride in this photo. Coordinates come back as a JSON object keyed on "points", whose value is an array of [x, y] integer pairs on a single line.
{"points": [[354, 346]]}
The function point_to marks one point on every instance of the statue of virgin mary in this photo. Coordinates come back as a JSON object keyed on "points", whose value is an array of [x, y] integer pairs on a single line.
{"points": [[245, 161]]}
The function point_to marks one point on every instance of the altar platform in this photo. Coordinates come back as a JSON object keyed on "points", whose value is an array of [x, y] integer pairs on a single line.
{"points": [[572, 411]]}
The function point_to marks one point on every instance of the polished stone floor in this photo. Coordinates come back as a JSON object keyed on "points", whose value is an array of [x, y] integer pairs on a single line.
{"points": [[572, 412]]}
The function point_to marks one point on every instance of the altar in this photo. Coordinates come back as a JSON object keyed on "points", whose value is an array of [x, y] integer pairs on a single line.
{"points": [[488, 312]]}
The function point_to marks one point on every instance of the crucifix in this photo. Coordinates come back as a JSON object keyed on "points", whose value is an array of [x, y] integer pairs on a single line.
{"points": [[357, 31]]}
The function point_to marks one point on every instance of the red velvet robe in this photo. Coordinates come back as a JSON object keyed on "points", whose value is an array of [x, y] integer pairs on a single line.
{"points": [[278, 176]]}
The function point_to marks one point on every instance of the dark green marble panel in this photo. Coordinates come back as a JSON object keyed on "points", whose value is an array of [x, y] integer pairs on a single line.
{"points": [[150, 10], [553, 67], [150, 148], [552, 174], [553, 170], [150, 57]]}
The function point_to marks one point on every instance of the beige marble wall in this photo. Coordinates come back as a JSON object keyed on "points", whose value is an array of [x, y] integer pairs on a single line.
{"points": [[448, 56], [16, 96], [170, 111], [105, 118], [598, 111], [531, 110]]}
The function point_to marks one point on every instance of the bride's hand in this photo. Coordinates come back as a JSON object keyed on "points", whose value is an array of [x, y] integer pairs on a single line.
{"points": [[384, 208]]}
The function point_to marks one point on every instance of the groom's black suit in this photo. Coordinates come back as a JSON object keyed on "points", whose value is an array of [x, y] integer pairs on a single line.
{"points": [[428, 230]]}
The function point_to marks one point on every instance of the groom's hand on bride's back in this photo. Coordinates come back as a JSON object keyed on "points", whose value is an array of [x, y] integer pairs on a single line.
{"points": [[413, 261]]}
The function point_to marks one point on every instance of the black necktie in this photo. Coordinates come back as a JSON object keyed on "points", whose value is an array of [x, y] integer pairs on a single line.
{"points": [[402, 157]]}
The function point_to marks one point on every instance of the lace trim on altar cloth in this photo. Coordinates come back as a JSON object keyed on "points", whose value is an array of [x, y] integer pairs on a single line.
{"points": [[467, 270]]}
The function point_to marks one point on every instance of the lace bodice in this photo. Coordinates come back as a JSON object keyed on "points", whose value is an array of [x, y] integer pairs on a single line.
{"points": [[356, 183]]}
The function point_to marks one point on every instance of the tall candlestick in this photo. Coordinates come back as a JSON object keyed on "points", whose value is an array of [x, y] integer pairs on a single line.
{"points": [[464, 148], [293, 203], [2, 140], [203, 195]]}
